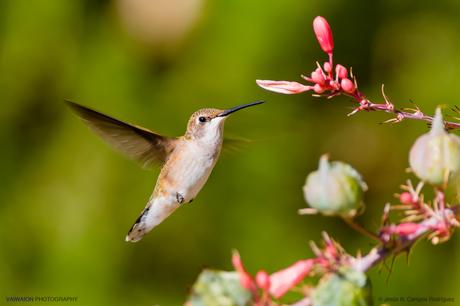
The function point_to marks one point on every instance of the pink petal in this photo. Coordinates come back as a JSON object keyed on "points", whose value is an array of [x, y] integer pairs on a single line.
{"points": [[284, 280], [284, 87]]}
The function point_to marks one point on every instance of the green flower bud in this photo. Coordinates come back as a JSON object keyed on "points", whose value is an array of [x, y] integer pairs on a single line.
{"points": [[218, 288], [435, 156], [346, 288], [335, 189]]}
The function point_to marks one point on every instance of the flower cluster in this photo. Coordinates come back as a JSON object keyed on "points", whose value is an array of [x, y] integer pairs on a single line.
{"points": [[266, 288], [337, 189], [329, 81], [325, 79], [337, 269], [437, 217]]}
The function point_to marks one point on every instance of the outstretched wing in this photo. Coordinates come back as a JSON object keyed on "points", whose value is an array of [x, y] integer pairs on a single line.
{"points": [[235, 144], [135, 142]]}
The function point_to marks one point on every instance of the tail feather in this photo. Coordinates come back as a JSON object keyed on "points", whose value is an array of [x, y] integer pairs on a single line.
{"points": [[139, 228], [153, 214]]}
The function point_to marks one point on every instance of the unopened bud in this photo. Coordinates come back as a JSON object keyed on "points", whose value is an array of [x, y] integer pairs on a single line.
{"points": [[347, 85], [331, 250], [323, 34], [341, 71], [435, 156], [212, 287], [327, 67], [246, 281], [406, 198], [347, 287], [318, 89], [317, 77], [263, 280], [335, 189], [405, 229]]}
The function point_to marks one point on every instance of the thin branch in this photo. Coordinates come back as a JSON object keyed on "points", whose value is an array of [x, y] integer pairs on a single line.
{"points": [[360, 229], [401, 244], [400, 114]]}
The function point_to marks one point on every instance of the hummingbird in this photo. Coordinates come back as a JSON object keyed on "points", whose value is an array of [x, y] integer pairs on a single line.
{"points": [[187, 160]]}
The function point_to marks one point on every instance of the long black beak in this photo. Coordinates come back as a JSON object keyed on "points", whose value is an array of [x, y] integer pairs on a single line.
{"points": [[237, 108]]}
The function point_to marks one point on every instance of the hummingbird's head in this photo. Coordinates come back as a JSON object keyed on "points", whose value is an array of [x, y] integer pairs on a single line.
{"points": [[208, 123]]}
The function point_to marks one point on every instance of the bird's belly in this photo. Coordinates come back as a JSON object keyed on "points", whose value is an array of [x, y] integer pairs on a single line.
{"points": [[191, 174]]}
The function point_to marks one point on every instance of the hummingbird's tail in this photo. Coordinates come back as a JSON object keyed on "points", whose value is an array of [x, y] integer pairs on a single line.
{"points": [[154, 213]]}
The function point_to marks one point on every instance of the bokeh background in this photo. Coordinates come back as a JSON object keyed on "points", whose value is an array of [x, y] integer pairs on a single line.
{"points": [[67, 200]]}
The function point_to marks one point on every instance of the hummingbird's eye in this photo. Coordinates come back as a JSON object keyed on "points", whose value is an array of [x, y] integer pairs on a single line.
{"points": [[202, 119]]}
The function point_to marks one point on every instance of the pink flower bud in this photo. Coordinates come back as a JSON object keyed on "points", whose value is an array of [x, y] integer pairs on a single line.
{"points": [[318, 88], [323, 34], [317, 77], [347, 85], [327, 67], [263, 280], [341, 71], [405, 229], [236, 261], [283, 87], [331, 250], [282, 281], [246, 280], [406, 198]]}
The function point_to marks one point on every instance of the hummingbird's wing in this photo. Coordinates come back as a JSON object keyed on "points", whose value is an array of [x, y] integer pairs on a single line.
{"points": [[135, 142], [235, 144]]}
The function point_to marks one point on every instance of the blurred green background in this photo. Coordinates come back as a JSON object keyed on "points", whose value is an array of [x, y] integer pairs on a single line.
{"points": [[67, 200]]}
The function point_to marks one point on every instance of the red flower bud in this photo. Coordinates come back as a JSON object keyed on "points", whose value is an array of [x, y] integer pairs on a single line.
{"points": [[317, 77], [246, 280], [318, 89], [406, 198], [341, 71], [263, 280], [405, 229], [327, 67], [331, 250], [347, 85], [323, 34]]}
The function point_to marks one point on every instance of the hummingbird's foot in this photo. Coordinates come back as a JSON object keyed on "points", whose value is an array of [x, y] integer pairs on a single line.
{"points": [[180, 198]]}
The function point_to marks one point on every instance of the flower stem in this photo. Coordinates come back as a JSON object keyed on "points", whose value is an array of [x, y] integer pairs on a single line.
{"points": [[440, 198], [359, 228], [388, 107], [380, 253]]}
